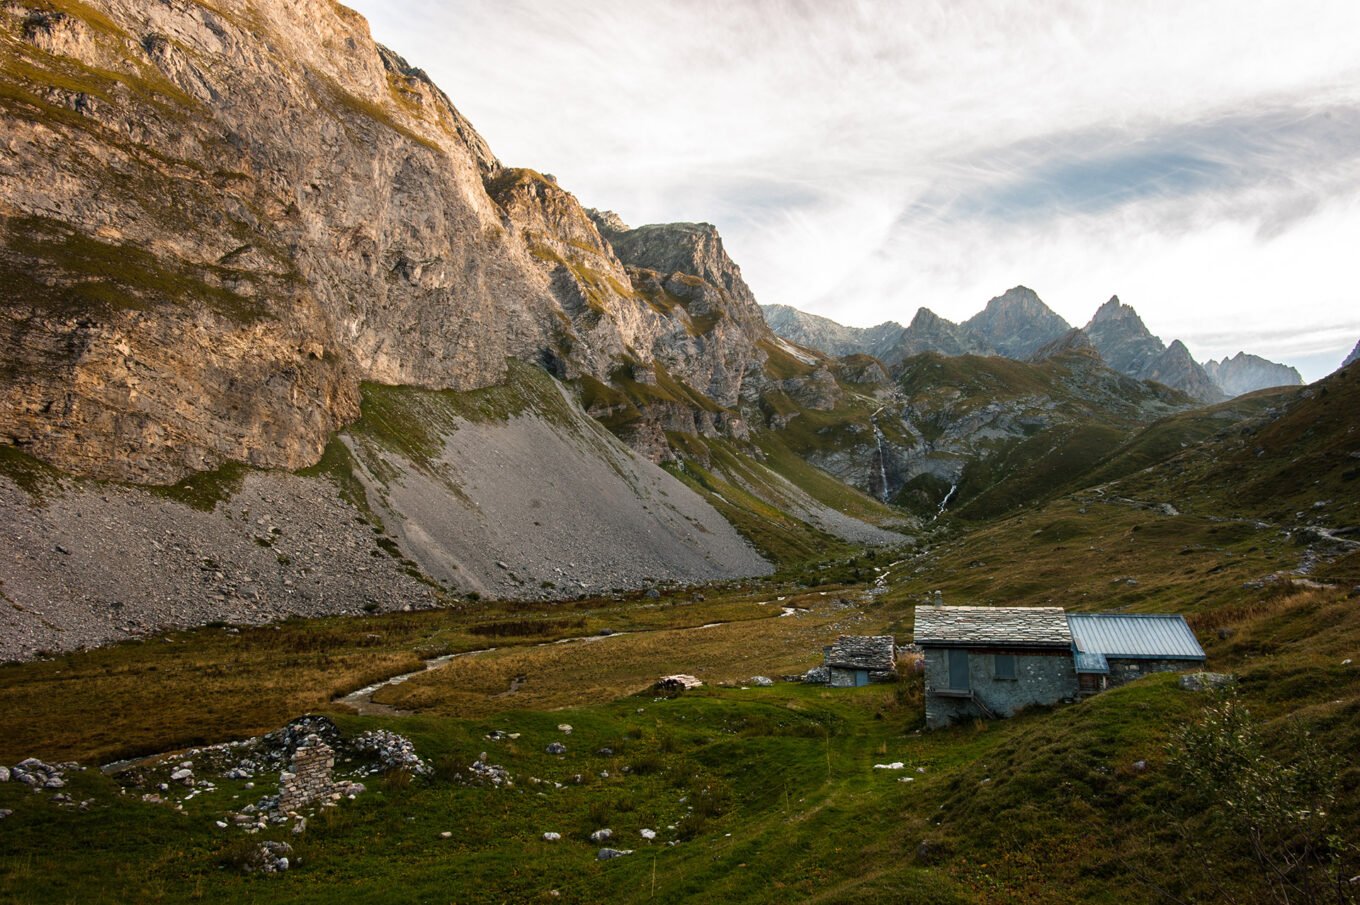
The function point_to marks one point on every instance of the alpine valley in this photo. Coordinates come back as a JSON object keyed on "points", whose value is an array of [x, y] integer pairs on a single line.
{"points": [[327, 438]]}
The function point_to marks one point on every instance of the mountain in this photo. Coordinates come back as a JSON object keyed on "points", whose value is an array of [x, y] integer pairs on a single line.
{"points": [[1126, 344], [1016, 323], [1353, 357], [1121, 338], [827, 336], [1244, 373], [928, 332]]}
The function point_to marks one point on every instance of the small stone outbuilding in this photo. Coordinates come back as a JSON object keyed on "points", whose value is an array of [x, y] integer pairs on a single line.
{"points": [[993, 661], [856, 660]]}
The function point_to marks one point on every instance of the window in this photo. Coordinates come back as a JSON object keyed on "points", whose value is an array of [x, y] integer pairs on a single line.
{"points": [[958, 670], [1003, 666]]}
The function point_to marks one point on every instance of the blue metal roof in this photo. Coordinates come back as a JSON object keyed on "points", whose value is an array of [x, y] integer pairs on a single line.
{"points": [[1134, 636]]}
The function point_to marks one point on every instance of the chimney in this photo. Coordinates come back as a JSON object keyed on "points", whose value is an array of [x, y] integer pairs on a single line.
{"points": [[939, 599]]}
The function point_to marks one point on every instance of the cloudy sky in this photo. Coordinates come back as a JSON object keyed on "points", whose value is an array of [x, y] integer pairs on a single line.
{"points": [[863, 158]]}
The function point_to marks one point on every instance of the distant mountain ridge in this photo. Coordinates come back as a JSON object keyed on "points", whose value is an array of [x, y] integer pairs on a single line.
{"points": [[1018, 325], [825, 335], [1245, 373]]}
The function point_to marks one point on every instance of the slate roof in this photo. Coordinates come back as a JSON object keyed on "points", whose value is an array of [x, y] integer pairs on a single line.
{"points": [[1134, 636], [875, 652], [992, 626]]}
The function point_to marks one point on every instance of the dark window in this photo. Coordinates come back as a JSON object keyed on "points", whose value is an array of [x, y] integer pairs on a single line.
{"points": [[958, 670], [1003, 666]]}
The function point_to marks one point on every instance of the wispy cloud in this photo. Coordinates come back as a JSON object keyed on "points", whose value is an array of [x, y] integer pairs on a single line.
{"points": [[863, 158]]}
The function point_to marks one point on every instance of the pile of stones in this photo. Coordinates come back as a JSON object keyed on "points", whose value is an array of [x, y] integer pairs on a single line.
{"points": [[392, 751], [37, 775]]}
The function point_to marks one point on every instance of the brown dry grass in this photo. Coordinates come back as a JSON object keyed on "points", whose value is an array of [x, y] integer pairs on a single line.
{"points": [[600, 668]]}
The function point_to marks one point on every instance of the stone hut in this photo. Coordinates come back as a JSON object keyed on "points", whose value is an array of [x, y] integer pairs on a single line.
{"points": [[1113, 648], [856, 660], [993, 661]]}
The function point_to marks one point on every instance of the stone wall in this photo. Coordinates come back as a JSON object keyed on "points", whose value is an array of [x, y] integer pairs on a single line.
{"points": [[308, 778], [840, 677], [1040, 678], [1124, 671]]}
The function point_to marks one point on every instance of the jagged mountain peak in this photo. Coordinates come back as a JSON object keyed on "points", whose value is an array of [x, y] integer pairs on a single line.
{"points": [[925, 319], [1115, 311], [1177, 368], [1017, 323]]}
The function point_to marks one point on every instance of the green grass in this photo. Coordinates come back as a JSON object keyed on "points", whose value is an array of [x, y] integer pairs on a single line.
{"points": [[780, 798]]}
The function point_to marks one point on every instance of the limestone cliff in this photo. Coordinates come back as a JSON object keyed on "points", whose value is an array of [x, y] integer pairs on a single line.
{"points": [[216, 221]]}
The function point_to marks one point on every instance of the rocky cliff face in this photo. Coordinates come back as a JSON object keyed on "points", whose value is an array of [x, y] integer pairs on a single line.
{"points": [[1016, 323], [216, 221], [1245, 373], [682, 272]]}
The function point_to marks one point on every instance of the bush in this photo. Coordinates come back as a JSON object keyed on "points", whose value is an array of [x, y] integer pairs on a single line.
{"points": [[1273, 803]]}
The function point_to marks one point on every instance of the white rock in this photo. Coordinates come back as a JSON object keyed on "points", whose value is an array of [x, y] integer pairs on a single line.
{"points": [[564, 727], [601, 835], [647, 834], [895, 765], [551, 837]]}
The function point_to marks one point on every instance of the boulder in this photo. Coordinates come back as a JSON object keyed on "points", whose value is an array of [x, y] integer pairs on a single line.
{"points": [[1203, 681]]}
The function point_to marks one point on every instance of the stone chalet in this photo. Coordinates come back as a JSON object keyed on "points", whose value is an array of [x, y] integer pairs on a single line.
{"points": [[856, 660], [994, 661]]}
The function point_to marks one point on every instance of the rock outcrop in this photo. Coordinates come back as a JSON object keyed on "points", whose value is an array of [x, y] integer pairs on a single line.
{"points": [[1244, 373]]}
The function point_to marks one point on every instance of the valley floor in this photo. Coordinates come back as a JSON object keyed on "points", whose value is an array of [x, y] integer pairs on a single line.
{"points": [[756, 794]]}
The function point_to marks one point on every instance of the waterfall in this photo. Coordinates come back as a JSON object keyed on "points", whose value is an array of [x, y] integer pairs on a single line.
{"points": [[945, 502], [882, 462]]}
